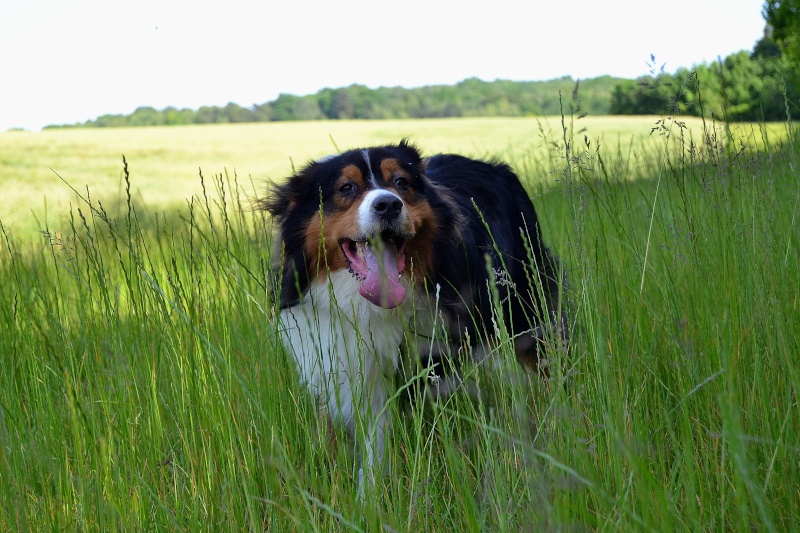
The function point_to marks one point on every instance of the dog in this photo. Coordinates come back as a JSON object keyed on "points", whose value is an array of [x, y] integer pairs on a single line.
{"points": [[378, 244]]}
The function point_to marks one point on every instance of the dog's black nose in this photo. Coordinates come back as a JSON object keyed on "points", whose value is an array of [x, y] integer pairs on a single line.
{"points": [[387, 206]]}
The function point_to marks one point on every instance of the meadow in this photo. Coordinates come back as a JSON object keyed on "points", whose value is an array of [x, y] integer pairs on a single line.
{"points": [[165, 162], [143, 386]]}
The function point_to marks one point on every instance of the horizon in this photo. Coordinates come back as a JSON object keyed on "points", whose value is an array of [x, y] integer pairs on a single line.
{"points": [[75, 63], [573, 80]]}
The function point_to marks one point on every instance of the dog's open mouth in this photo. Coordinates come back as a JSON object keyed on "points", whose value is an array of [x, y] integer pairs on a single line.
{"points": [[377, 263]]}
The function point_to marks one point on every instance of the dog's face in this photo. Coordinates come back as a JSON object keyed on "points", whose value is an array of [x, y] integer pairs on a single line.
{"points": [[371, 212]]}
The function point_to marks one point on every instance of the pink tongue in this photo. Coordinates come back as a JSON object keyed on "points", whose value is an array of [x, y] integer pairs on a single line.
{"points": [[381, 285]]}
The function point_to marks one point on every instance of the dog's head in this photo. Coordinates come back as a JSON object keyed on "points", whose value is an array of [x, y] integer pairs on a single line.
{"points": [[369, 211]]}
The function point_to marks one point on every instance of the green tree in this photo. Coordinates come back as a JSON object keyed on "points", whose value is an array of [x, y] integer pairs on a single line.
{"points": [[178, 117], [646, 96], [291, 107], [108, 121], [263, 112], [783, 17], [146, 116], [236, 113], [207, 115]]}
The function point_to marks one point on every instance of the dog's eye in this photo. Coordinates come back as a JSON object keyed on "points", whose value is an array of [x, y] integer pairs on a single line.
{"points": [[401, 183], [347, 188]]}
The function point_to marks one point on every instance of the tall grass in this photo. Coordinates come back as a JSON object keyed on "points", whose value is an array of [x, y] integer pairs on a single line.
{"points": [[143, 386]]}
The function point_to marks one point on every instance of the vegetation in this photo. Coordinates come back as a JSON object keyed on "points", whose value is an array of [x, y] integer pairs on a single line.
{"points": [[470, 98], [783, 28], [144, 388], [742, 87], [165, 161]]}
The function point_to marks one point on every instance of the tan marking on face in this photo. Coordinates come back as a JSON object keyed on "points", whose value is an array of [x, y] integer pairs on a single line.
{"points": [[390, 169], [323, 252], [351, 173], [322, 237], [420, 247]]}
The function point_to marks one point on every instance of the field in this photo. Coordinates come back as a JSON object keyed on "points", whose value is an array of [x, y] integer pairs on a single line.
{"points": [[165, 162], [143, 386]]}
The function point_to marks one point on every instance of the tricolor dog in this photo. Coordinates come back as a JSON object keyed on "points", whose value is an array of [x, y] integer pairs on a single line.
{"points": [[379, 242]]}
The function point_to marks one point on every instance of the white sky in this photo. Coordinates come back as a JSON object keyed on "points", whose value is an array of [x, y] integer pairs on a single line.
{"points": [[66, 61]]}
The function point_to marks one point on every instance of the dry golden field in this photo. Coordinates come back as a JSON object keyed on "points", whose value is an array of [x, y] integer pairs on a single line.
{"points": [[164, 162]]}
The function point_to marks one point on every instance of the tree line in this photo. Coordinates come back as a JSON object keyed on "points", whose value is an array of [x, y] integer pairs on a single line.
{"points": [[745, 86], [748, 86], [469, 98]]}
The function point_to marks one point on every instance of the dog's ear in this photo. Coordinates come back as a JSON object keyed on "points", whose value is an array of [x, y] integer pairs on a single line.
{"points": [[411, 154], [281, 199], [424, 165], [284, 202], [293, 279], [412, 157]]}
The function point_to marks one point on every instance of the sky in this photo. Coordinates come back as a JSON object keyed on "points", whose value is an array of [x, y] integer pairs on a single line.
{"points": [[68, 61]]}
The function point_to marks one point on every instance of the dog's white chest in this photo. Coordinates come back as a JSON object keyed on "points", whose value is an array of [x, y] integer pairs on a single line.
{"points": [[343, 345]]}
